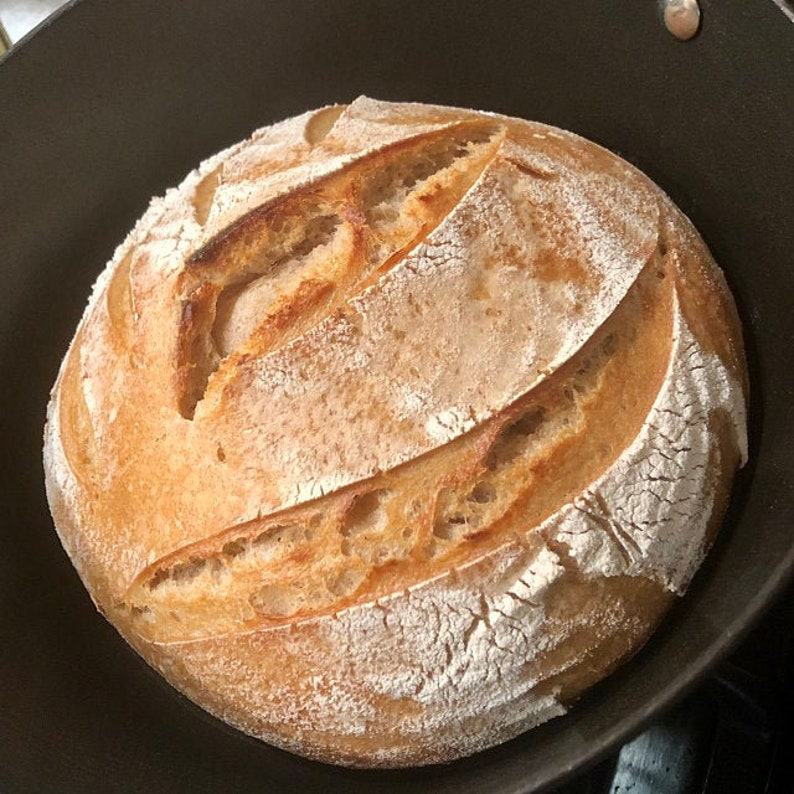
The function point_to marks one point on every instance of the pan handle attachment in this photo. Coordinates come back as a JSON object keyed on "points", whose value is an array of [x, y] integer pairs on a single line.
{"points": [[681, 17]]}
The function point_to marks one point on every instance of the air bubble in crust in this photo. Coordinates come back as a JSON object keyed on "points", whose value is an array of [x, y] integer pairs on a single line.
{"points": [[482, 493], [513, 440], [367, 514], [273, 600], [345, 581]]}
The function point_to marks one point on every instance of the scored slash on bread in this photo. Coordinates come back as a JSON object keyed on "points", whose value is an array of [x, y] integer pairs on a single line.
{"points": [[285, 266], [395, 427]]}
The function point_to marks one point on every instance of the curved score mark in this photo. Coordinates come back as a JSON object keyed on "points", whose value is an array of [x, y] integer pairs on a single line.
{"points": [[342, 232]]}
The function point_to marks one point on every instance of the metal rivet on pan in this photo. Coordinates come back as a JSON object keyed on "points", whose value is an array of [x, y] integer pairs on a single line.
{"points": [[681, 17]]}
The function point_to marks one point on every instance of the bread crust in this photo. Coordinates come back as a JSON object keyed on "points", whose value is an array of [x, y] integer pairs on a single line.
{"points": [[394, 427]]}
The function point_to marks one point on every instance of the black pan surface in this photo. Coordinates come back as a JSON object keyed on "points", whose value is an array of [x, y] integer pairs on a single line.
{"points": [[114, 101]]}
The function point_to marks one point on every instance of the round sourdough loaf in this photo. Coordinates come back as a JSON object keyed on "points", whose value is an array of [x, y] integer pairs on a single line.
{"points": [[394, 427]]}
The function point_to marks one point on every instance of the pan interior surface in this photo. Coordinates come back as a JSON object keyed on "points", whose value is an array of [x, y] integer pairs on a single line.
{"points": [[112, 103]]}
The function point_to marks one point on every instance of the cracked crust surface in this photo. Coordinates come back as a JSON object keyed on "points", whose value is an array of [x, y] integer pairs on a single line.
{"points": [[394, 427]]}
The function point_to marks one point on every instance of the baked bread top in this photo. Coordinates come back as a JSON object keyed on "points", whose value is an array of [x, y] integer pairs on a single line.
{"points": [[412, 416]]}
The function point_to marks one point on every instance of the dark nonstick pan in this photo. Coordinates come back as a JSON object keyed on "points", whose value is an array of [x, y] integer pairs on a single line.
{"points": [[114, 101]]}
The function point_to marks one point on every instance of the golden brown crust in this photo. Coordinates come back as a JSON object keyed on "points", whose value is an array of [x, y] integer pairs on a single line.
{"points": [[395, 427]]}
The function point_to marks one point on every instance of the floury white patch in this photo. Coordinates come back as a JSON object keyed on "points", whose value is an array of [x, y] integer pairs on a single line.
{"points": [[647, 515]]}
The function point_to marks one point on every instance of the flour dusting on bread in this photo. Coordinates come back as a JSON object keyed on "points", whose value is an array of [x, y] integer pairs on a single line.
{"points": [[395, 427]]}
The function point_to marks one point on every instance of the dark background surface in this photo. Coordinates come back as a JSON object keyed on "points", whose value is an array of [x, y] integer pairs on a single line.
{"points": [[114, 102]]}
